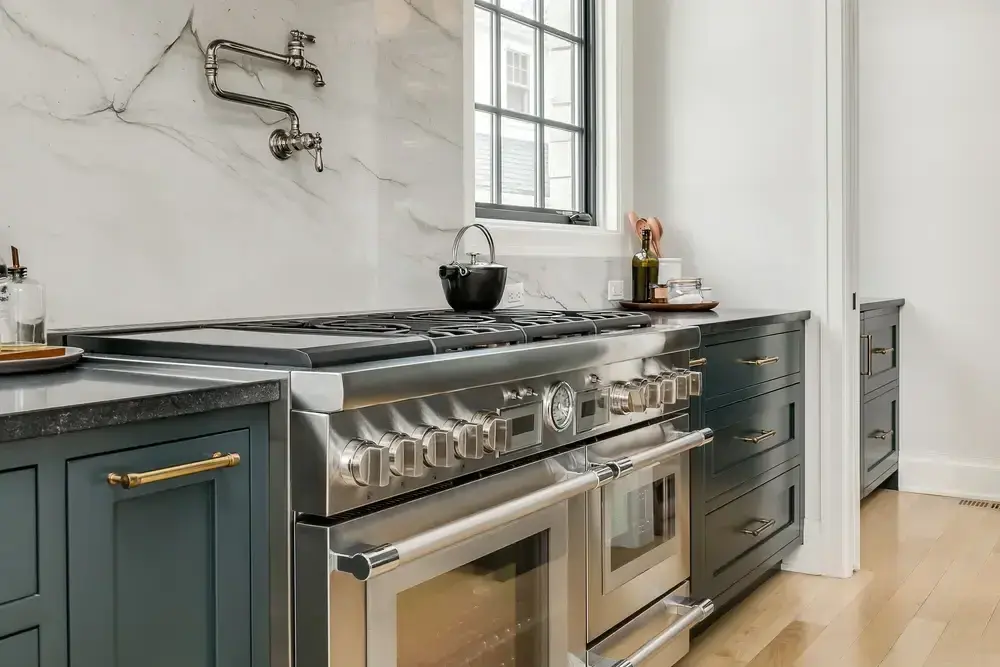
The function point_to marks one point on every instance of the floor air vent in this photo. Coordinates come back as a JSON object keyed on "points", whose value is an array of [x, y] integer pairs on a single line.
{"points": [[985, 504]]}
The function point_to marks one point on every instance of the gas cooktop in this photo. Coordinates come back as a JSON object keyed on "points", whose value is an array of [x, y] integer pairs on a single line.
{"points": [[341, 339]]}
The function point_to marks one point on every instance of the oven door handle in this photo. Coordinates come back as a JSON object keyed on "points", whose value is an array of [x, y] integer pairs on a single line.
{"points": [[368, 563], [694, 612]]}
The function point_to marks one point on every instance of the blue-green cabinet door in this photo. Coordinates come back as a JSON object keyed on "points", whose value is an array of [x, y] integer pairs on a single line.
{"points": [[159, 574]]}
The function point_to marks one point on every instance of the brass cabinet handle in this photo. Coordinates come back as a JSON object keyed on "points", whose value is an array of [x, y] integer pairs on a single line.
{"points": [[695, 363], [129, 480], [882, 435], [760, 362], [755, 532], [883, 350], [756, 439], [868, 357]]}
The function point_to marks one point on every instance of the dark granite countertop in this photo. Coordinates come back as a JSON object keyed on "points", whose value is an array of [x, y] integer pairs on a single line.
{"points": [[91, 396], [868, 303], [730, 319]]}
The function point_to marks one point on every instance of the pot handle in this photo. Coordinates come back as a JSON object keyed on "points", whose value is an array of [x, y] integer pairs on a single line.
{"points": [[458, 242]]}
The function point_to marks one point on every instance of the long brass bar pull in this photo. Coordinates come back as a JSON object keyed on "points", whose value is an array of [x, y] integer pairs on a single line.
{"points": [[129, 480], [766, 361]]}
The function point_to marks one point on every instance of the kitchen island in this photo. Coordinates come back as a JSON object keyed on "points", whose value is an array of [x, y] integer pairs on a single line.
{"points": [[135, 510]]}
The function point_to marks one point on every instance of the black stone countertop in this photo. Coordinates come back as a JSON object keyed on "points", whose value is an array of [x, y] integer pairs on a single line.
{"points": [[729, 319], [91, 396], [868, 303]]}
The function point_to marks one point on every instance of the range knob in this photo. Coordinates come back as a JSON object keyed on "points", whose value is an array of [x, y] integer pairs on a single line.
{"points": [[668, 388], [406, 456], [694, 383], [683, 385], [436, 445], [654, 392], [364, 463], [627, 398], [466, 437], [496, 437]]}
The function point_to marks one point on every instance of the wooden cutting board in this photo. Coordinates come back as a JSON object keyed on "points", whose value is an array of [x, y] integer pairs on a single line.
{"points": [[19, 352]]}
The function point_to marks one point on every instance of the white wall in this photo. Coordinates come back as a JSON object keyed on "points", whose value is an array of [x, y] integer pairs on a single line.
{"points": [[930, 220], [731, 153]]}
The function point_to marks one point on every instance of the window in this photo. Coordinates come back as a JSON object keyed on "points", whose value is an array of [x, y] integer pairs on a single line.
{"points": [[535, 109]]}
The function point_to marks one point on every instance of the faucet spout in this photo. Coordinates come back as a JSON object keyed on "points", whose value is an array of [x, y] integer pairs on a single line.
{"points": [[318, 80]]}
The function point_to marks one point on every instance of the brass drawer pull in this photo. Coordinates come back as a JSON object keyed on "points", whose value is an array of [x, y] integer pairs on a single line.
{"points": [[132, 479], [766, 361], [882, 435], [695, 363], [883, 350], [757, 439], [756, 532]]}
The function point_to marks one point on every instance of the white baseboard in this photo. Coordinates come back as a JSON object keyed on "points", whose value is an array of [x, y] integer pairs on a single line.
{"points": [[939, 476], [815, 556]]}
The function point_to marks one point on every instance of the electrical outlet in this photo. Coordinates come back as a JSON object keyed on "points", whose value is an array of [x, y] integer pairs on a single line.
{"points": [[513, 296], [616, 290]]}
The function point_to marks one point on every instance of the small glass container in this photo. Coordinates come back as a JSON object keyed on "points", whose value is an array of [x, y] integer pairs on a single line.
{"points": [[25, 307], [684, 290]]}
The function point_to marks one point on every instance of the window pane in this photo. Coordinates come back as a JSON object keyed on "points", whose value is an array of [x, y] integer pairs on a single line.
{"points": [[562, 66], [519, 144], [562, 164], [522, 7], [484, 56], [518, 85], [484, 158], [562, 14]]}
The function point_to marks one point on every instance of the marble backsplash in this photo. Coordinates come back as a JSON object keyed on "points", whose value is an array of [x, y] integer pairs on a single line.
{"points": [[137, 196]]}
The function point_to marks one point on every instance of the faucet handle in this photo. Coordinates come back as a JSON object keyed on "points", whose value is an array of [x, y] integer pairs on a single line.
{"points": [[318, 147], [302, 36]]}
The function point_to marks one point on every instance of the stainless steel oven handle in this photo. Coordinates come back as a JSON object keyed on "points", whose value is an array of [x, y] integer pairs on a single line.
{"points": [[693, 614], [369, 563]]}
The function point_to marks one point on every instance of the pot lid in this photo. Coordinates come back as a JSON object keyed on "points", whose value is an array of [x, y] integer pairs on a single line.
{"points": [[474, 262]]}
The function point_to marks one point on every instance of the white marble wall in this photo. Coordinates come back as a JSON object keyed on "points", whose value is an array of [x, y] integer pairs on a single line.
{"points": [[136, 196]]}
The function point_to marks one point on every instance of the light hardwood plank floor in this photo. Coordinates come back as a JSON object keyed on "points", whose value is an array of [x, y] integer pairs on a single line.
{"points": [[927, 595]]}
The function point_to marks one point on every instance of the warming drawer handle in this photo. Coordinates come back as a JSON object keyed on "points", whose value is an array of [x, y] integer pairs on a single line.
{"points": [[765, 361], [757, 439], [764, 524], [363, 565], [693, 615], [130, 480]]}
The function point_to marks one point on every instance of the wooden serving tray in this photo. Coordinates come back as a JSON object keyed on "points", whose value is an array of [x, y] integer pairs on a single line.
{"points": [[670, 307]]}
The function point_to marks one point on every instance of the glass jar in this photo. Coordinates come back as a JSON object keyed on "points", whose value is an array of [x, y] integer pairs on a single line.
{"points": [[25, 309], [684, 290]]}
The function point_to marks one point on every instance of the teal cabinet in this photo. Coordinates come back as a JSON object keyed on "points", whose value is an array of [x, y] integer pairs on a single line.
{"points": [[161, 570], [174, 572]]}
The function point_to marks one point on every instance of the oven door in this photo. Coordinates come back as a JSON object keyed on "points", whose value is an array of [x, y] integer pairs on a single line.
{"points": [[637, 528], [497, 598]]}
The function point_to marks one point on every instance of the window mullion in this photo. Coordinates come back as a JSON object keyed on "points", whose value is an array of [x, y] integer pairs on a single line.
{"points": [[540, 112], [498, 71]]}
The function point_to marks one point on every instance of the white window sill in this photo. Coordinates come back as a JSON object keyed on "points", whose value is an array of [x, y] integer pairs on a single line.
{"points": [[538, 239]]}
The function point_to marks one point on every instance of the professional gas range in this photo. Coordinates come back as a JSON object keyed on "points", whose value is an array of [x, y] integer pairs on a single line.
{"points": [[503, 488]]}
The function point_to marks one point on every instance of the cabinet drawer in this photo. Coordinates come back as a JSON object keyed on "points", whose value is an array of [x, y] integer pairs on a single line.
{"points": [[743, 363], [18, 535], [879, 439], [20, 650], [751, 437], [746, 532], [879, 351]]}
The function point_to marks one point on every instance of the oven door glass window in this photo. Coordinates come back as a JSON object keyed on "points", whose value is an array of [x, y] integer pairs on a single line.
{"points": [[639, 524], [504, 607]]}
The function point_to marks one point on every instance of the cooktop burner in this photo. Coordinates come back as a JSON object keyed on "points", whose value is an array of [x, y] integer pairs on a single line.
{"points": [[449, 330], [344, 339]]}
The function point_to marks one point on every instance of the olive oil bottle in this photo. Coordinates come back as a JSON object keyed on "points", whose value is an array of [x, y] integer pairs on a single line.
{"points": [[645, 271]]}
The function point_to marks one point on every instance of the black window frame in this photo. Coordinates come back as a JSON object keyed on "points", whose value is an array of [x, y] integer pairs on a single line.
{"points": [[587, 42]]}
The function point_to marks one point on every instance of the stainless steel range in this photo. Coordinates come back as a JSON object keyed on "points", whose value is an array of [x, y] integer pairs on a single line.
{"points": [[496, 489]]}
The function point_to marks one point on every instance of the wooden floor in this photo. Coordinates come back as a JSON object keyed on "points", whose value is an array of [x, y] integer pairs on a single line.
{"points": [[927, 596]]}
